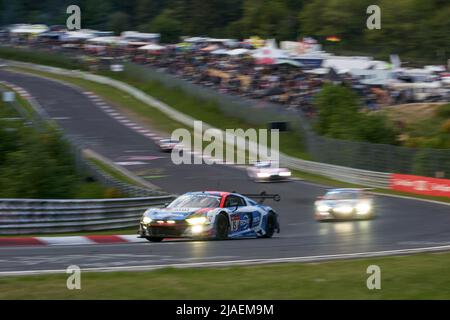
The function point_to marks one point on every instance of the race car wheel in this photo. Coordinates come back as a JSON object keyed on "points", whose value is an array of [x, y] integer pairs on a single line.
{"points": [[222, 227], [270, 226], [154, 239]]}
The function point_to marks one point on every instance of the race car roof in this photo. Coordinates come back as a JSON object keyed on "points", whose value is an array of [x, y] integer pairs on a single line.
{"points": [[213, 193]]}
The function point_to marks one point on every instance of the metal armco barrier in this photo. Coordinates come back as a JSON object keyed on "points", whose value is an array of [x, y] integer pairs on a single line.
{"points": [[350, 175], [30, 216]]}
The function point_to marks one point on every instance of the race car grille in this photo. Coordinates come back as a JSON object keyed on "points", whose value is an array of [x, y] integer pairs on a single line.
{"points": [[166, 231]]}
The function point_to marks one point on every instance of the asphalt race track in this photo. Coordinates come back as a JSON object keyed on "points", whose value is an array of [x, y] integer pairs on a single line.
{"points": [[400, 223]]}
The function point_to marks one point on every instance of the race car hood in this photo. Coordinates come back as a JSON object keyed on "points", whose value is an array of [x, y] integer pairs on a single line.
{"points": [[334, 203], [271, 170], [174, 213]]}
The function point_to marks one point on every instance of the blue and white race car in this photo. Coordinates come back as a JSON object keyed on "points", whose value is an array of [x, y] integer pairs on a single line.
{"points": [[211, 214]]}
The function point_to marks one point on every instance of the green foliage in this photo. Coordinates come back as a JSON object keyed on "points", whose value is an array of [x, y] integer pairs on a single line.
{"points": [[39, 57], [167, 25], [416, 29], [38, 164], [431, 133], [413, 28], [340, 117], [119, 21], [444, 111]]}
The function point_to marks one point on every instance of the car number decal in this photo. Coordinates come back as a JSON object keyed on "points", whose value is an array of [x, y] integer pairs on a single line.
{"points": [[235, 223]]}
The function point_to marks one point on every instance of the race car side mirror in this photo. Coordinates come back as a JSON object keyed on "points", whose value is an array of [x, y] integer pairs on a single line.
{"points": [[166, 204]]}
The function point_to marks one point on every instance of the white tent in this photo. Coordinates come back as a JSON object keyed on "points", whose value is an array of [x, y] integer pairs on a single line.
{"points": [[270, 51], [341, 64], [105, 40], [152, 47], [196, 39], [82, 35], [238, 52], [139, 36], [220, 51], [29, 29]]}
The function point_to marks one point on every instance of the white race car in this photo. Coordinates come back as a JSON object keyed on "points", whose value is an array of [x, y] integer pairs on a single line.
{"points": [[344, 204], [167, 145], [265, 171]]}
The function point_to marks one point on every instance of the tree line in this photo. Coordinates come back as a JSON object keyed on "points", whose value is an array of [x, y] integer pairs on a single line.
{"points": [[416, 29]]}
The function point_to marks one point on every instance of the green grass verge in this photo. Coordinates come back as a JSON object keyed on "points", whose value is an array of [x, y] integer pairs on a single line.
{"points": [[423, 276], [113, 172], [157, 120], [36, 56]]}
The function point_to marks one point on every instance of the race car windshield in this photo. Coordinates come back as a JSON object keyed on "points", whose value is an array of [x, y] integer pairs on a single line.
{"points": [[196, 201], [263, 165], [341, 196]]}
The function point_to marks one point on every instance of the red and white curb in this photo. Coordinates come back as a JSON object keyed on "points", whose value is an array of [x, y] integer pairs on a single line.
{"points": [[69, 241]]}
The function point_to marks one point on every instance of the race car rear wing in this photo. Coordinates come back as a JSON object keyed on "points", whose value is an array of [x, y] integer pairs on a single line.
{"points": [[263, 196]]}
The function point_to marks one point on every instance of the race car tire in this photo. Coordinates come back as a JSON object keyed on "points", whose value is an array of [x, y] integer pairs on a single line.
{"points": [[271, 225], [222, 227], [155, 239]]}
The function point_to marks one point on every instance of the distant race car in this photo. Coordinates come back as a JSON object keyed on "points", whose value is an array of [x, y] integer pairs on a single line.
{"points": [[211, 214], [265, 171], [344, 204], [167, 145]]}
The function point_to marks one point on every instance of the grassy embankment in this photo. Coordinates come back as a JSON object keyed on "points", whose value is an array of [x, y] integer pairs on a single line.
{"points": [[423, 276]]}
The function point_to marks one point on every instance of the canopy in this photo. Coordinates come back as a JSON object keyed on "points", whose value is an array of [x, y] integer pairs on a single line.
{"points": [[134, 35], [152, 47], [289, 61], [237, 52], [105, 40], [77, 35], [29, 29], [196, 39], [269, 54], [220, 51]]}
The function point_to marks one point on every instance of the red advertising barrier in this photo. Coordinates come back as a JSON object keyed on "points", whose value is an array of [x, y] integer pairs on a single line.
{"points": [[420, 185]]}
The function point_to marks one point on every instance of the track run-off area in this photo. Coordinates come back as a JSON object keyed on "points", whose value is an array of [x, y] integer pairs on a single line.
{"points": [[402, 225]]}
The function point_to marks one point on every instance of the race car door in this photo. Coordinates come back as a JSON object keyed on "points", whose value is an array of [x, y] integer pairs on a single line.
{"points": [[240, 218]]}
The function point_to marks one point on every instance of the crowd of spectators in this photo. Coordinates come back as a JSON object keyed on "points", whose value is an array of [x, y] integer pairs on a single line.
{"points": [[283, 83], [279, 83]]}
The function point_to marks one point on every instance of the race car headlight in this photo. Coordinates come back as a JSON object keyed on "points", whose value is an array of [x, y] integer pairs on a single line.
{"points": [[285, 173], [363, 208], [197, 229], [197, 221], [263, 175], [344, 209], [146, 220], [323, 208]]}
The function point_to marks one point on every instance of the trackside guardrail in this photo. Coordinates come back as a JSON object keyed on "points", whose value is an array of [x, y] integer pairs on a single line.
{"points": [[34, 216]]}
